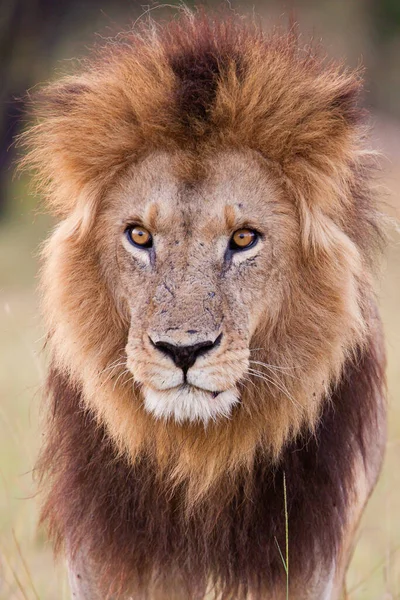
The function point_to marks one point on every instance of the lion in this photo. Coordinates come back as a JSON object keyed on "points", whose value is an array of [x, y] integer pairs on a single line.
{"points": [[216, 389]]}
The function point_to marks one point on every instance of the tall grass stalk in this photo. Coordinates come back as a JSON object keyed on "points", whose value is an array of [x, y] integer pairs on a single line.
{"points": [[285, 560], [25, 565]]}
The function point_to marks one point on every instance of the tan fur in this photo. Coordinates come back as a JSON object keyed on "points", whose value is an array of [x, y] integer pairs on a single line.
{"points": [[262, 134]]}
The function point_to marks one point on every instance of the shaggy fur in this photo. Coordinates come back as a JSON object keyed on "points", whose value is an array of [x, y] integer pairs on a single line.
{"points": [[201, 101], [136, 526]]}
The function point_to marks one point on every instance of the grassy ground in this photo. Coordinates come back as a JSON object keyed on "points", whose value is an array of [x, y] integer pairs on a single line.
{"points": [[27, 570]]}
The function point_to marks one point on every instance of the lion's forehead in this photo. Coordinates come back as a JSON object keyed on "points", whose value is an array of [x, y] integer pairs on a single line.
{"points": [[166, 191]]}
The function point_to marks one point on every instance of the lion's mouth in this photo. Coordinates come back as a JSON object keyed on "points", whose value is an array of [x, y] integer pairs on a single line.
{"points": [[213, 394], [194, 388], [190, 403]]}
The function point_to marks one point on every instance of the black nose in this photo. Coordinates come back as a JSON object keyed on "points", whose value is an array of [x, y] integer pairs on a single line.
{"points": [[185, 356]]}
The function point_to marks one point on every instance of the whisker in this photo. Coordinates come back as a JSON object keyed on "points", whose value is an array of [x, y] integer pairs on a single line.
{"points": [[279, 386], [119, 377], [267, 378], [250, 380], [128, 380], [121, 355], [276, 367], [113, 366], [111, 373], [246, 407]]}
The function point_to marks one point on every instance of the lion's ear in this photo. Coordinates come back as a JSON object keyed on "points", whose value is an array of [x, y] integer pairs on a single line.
{"points": [[346, 101], [327, 154], [74, 142], [328, 137], [52, 144], [59, 99]]}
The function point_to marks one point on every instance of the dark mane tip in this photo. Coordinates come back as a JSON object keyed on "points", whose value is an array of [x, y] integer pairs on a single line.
{"points": [[199, 61]]}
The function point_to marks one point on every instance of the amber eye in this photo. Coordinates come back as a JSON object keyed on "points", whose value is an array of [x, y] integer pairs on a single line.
{"points": [[139, 236], [243, 239]]}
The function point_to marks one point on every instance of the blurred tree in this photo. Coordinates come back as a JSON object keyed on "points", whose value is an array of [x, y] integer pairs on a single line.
{"points": [[384, 16], [30, 31], [387, 15]]}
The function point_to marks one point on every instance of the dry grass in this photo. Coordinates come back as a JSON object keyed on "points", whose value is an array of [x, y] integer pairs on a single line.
{"points": [[27, 571]]}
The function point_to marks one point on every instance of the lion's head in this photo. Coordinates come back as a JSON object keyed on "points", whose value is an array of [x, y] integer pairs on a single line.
{"points": [[211, 271]]}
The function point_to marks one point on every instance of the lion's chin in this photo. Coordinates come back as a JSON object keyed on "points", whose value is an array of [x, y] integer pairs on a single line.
{"points": [[188, 403]]}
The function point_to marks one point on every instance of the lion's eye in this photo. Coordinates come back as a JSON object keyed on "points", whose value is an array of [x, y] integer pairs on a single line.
{"points": [[139, 236], [243, 239]]}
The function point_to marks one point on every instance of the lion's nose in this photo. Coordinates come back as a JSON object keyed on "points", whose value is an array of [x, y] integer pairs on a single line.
{"points": [[185, 356]]}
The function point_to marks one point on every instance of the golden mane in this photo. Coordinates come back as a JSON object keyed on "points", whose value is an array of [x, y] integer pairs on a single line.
{"points": [[207, 84]]}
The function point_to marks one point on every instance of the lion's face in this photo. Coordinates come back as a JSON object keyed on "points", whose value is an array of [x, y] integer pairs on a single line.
{"points": [[195, 298]]}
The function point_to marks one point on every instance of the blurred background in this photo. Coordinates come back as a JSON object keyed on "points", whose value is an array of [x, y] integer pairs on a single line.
{"points": [[39, 40]]}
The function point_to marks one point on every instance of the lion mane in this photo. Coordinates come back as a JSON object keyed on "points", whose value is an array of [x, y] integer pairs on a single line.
{"points": [[203, 507]]}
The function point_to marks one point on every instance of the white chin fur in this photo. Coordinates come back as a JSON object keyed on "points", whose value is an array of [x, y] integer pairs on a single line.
{"points": [[189, 404]]}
